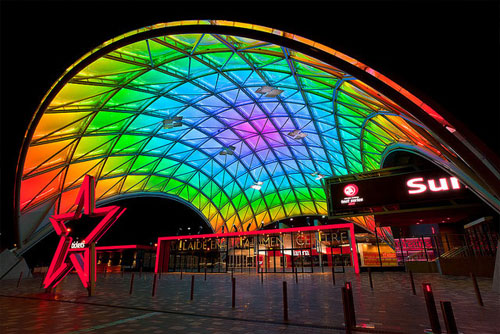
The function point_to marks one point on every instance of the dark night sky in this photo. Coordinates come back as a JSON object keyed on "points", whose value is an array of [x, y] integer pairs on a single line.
{"points": [[445, 52]]}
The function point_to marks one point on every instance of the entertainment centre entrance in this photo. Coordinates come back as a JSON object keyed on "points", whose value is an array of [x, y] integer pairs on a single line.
{"points": [[303, 249]]}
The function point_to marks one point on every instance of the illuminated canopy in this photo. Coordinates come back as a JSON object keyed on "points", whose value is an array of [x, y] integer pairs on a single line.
{"points": [[242, 128]]}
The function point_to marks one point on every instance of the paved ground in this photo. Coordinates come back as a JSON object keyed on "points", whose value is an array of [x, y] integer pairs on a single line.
{"points": [[315, 305]]}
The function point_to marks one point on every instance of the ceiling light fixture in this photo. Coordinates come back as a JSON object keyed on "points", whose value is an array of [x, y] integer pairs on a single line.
{"points": [[172, 122], [269, 91], [318, 175], [297, 134], [227, 150], [257, 185]]}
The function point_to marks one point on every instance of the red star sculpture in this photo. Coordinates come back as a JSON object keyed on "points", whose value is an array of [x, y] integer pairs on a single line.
{"points": [[71, 255]]}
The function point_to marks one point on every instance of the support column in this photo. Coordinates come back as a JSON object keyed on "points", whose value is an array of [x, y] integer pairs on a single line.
{"points": [[92, 270]]}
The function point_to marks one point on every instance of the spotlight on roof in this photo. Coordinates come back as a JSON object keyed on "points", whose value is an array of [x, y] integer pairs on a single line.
{"points": [[227, 150], [269, 91], [257, 185], [297, 134], [318, 175], [172, 122]]}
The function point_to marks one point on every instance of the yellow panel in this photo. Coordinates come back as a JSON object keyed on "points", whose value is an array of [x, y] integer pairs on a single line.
{"points": [[77, 171], [74, 92], [133, 183], [107, 187], [57, 124]]}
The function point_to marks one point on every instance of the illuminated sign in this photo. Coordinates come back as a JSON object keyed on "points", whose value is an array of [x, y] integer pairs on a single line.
{"points": [[301, 252], [351, 190], [400, 189], [76, 244], [71, 254], [417, 185]]}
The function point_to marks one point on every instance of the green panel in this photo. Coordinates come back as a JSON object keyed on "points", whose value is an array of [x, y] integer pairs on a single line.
{"points": [[93, 146], [144, 165], [117, 165], [129, 144], [109, 121], [155, 183]]}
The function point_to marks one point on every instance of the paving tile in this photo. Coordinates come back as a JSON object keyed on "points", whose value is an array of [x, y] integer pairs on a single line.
{"points": [[315, 305]]}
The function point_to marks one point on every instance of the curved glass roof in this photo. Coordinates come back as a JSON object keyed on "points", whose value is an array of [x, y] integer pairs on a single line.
{"points": [[242, 129]]}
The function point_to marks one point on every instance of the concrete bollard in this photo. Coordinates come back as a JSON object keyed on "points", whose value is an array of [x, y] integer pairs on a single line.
{"points": [[431, 308]]}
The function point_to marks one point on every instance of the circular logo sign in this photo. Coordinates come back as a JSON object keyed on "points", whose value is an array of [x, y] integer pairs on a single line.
{"points": [[351, 190]]}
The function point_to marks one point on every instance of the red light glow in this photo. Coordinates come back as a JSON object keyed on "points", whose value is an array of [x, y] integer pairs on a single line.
{"points": [[417, 185], [79, 258], [351, 190]]}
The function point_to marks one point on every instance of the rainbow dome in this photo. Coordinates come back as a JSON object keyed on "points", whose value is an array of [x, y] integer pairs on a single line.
{"points": [[227, 117]]}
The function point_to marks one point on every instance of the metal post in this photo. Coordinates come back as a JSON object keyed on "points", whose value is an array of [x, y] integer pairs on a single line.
{"points": [[437, 246], [350, 299], [205, 269], [192, 287], [449, 318], [296, 275], [92, 271], [476, 289], [131, 284], [378, 247], [154, 286], [370, 276], [285, 302], [333, 275], [425, 250], [233, 281], [181, 270], [43, 279], [262, 275], [431, 308], [140, 271], [347, 316], [19, 280], [401, 247], [412, 284]]}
